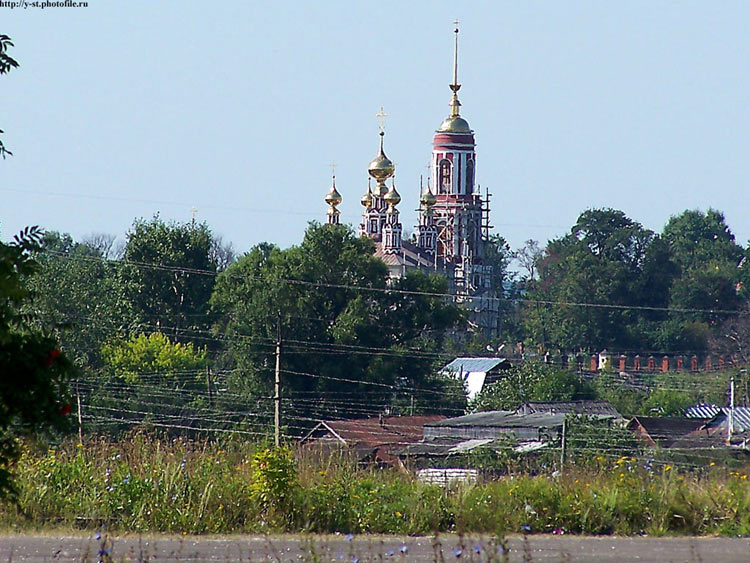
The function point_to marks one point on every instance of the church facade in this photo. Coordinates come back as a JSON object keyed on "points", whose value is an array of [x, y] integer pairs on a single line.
{"points": [[453, 231]]}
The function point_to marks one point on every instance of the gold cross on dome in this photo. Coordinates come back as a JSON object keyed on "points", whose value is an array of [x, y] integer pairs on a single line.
{"points": [[455, 23], [193, 211], [333, 166], [381, 115]]}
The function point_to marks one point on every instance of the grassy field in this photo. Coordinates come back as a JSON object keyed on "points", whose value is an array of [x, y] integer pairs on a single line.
{"points": [[144, 484]]}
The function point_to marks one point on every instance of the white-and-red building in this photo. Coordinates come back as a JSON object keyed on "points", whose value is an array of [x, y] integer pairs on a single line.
{"points": [[453, 231]]}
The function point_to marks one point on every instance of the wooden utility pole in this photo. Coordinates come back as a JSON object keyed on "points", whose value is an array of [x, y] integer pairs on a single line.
{"points": [[208, 385], [80, 416], [563, 443], [730, 422], [277, 386]]}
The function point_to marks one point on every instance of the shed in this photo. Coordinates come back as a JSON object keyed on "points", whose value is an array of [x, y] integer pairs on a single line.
{"points": [[370, 439], [584, 407], [664, 431]]}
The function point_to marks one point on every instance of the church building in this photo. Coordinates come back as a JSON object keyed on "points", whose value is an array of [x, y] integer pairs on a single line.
{"points": [[453, 231]]}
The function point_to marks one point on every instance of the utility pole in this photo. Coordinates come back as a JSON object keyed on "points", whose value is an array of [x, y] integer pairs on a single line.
{"points": [[731, 411], [208, 385], [80, 416], [277, 386], [563, 443]]}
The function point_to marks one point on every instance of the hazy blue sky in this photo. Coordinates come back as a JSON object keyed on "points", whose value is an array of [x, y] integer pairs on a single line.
{"points": [[128, 108]]}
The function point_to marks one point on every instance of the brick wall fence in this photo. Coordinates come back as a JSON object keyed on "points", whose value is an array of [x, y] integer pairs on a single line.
{"points": [[637, 363]]}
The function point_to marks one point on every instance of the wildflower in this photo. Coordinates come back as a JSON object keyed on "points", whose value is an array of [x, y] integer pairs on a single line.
{"points": [[98, 536], [404, 549], [349, 537], [525, 528], [126, 480], [458, 552], [477, 549], [390, 553], [398, 514], [712, 464], [355, 559], [103, 552], [558, 531], [667, 468]]}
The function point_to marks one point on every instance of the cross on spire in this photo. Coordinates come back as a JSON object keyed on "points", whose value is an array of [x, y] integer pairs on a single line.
{"points": [[381, 115], [333, 166]]}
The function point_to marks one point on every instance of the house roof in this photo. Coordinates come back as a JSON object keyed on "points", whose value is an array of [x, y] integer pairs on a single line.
{"points": [[741, 416], [470, 364], [571, 407], [449, 445], [374, 432], [501, 419], [411, 256], [665, 431]]}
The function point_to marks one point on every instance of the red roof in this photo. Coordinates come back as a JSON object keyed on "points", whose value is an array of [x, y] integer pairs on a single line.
{"points": [[377, 435]]}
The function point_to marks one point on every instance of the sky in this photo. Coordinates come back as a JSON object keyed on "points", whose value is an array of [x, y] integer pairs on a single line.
{"points": [[124, 109]]}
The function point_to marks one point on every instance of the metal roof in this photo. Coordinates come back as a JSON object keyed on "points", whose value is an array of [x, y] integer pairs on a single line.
{"points": [[469, 365], [577, 407], [741, 416]]}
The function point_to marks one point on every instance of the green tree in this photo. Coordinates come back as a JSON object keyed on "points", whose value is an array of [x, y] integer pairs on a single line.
{"points": [[6, 64], [592, 281], [150, 380], [705, 250], [350, 339], [33, 386], [152, 356], [531, 381], [168, 273], [79, 295]]}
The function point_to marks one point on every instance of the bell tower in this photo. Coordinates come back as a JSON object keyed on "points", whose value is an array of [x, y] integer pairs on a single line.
{"points": [[460, 215]]}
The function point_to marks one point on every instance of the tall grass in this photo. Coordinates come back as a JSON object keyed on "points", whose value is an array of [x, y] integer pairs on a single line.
{"points": [[146, 484]]}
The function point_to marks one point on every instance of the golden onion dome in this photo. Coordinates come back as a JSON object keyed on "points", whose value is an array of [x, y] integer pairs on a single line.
{"points": [[454, 124], [428, 200], [333, 197], [367, 198], [381, 168], [392, 197]]}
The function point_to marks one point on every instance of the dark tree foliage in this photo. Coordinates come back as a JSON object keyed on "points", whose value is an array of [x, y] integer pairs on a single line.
{"points": [[168, 274], [532, 381], [79, 295], [592, 281], [349, 342], [33, 390]]}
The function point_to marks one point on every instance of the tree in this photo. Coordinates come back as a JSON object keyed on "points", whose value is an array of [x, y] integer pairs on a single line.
{"points": [[154, 357], [708, 258], [33, 386], [531, 381], [350, 339], [79, 296], [6, 64], [528, 256], [169, 271], [147, 379], [593, 281]]}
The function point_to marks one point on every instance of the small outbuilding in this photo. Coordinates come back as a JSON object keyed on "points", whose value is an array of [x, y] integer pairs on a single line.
{"points": [[476, 372]]}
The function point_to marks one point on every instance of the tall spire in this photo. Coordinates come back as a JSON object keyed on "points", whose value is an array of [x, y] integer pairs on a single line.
{"points": [[455, 86], [381, 168]]}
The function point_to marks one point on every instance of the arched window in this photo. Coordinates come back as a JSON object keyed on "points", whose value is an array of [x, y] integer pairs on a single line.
{"points": [[469, 176], [444, 180]]}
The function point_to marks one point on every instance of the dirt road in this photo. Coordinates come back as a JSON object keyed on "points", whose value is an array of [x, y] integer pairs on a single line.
{"points": [[369, 548]]}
